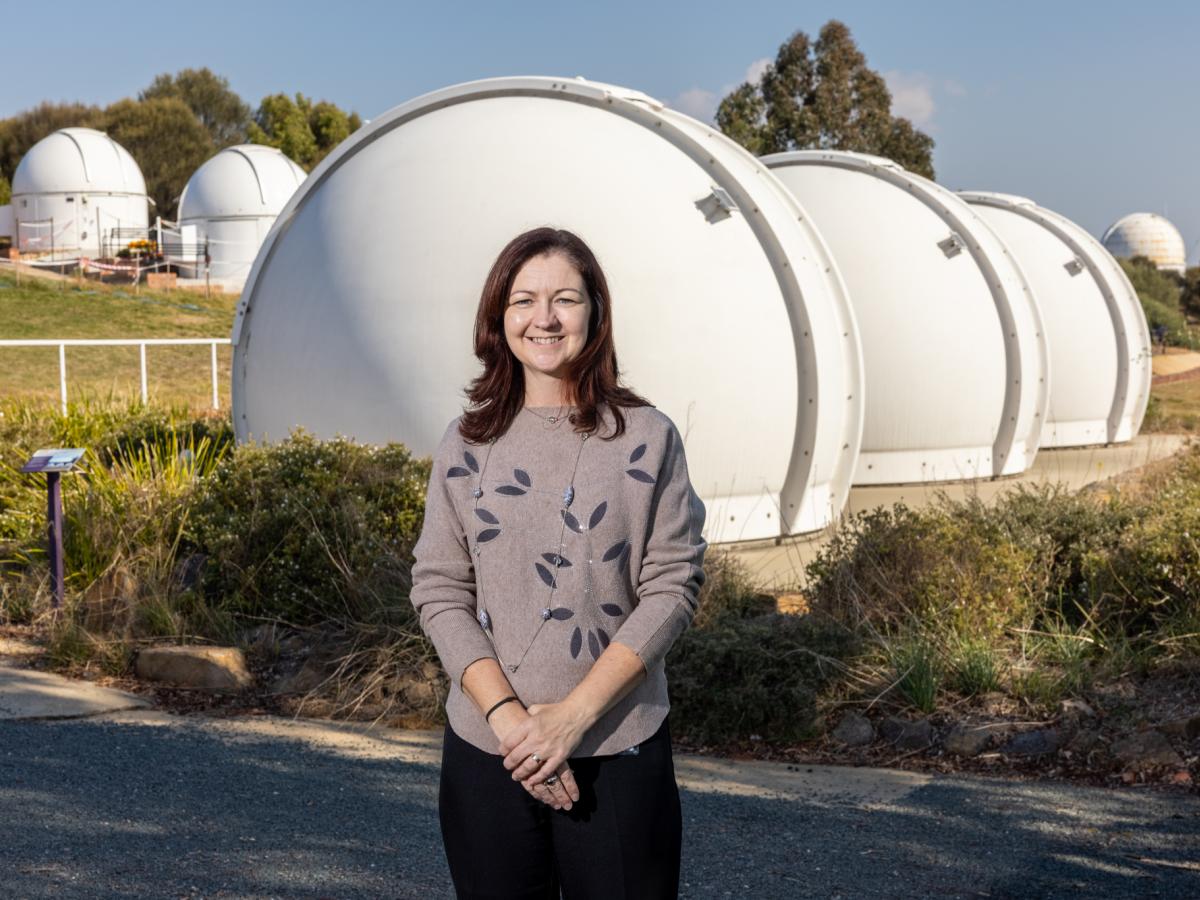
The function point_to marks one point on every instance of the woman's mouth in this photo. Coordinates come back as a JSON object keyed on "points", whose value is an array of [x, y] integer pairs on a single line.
{"points": [[545, 340]]}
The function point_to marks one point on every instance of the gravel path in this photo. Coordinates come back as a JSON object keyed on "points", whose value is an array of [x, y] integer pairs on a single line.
{"points": [[180, 807]]}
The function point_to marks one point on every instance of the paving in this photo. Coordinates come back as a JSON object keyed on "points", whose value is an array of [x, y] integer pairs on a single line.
{"points": [[780, 563], [143, 803]]}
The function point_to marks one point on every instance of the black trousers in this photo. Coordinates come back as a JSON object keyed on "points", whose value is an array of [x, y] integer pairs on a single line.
{"points": [[621, 841]]}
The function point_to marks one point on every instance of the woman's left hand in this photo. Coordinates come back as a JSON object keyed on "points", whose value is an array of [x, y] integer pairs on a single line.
{"points": [[551, 733]]}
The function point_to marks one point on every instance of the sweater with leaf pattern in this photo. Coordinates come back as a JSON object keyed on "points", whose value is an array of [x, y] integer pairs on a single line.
{"points": [[542, 547]]}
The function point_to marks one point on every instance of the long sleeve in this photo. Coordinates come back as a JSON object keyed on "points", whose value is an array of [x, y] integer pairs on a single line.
{"points": [[671, 571], [443, 589]]}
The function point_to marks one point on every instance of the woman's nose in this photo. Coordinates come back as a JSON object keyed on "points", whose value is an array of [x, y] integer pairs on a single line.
{"points": [[544, 316]]}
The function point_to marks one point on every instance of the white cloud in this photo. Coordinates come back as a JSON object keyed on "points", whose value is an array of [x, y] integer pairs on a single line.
{"points": [[754, 71], [697, 103], [912, 96]]}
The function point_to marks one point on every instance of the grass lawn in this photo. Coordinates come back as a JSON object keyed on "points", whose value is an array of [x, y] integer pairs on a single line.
{"points": [[1174, 407], [41, 309]]}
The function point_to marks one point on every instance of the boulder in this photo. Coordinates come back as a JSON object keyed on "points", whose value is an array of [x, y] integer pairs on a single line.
{"points": [[854, 730], [906, 734], [967, 740], [1145, 750], [1041, 742], [210, 668]]}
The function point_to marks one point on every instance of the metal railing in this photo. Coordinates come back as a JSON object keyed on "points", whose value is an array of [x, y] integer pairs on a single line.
{"points": [[141, 343]]}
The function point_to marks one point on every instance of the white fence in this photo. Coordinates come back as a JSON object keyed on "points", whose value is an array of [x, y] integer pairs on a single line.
{"points": [[141, 343]]}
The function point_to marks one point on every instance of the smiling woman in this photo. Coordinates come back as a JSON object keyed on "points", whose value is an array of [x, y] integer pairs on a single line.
{"points": [[553, 574]]}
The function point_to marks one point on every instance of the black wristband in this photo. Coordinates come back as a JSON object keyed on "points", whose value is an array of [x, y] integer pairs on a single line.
{"points": [[488, 714]]}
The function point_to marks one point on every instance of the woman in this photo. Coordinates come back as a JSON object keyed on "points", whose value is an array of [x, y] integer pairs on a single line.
{"points": [[560, 559]]}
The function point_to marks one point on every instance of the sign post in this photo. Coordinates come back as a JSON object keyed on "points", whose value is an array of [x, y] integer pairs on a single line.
{"points": [[54, 463]]}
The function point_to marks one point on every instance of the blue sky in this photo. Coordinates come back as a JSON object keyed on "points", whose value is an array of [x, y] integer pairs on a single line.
{"points": [[1089, 108]]}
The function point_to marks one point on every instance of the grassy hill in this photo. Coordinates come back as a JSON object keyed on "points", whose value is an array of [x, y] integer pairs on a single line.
{"points": [[41, 308]]}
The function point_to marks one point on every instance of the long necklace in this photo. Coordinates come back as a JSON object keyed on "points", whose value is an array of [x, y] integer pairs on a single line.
{"points": [[547, 612], [553, 420]]}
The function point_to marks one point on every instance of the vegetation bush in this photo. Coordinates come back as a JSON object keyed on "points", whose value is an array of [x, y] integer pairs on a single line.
{"points": [[309, 531], [1162, 296]]}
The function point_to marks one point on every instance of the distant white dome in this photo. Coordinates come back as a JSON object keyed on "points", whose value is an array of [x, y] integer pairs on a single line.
{"points": [[75, 160], [246, 180], [1148, 235], [77, 192], [232, 201]]}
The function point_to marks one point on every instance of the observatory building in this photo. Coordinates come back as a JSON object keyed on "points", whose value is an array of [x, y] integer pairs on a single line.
{"points": [[729, 311], [73, 189], [1095, 328], [231, 202], [957, 371], [1149, 235]]}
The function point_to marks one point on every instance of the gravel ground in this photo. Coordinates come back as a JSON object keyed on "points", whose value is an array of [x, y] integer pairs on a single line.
{"points": [[104, 808]]}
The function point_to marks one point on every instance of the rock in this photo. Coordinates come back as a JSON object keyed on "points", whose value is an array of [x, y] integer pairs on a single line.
{"points": [[1075, 709], [854, 730], [1035, 743], [211, 668], [967, 740], [906, 734], [1187, 728], [1145, 750]]}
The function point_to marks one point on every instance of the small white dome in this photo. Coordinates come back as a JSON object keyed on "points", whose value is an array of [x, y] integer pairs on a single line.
{"points": [[79, 160], [1148, 235], [246, 180]]}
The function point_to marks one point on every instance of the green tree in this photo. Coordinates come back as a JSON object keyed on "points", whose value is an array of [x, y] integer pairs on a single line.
{"points": [[305, 131], [1190, 297], [5, 191], [224, 115], [823, 95], [166, 139], [20, 132], [1160, 295]]}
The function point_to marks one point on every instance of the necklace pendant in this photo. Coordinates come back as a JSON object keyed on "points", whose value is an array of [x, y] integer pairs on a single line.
{"points": [[569, 495], [477, 493]]}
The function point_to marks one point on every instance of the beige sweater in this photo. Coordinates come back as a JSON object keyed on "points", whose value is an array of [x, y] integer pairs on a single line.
{"points": [[513, 566]]}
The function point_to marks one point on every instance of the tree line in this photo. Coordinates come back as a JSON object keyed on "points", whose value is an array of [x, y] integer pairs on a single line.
{"points": [[177, 123]]}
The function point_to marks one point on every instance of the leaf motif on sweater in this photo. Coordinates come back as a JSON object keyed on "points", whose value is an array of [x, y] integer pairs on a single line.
{"points": [[523, 477], [471, 462], [639, 475], [614, 551], [593, 645], [486, 516], [604, 639], [510, 490], [457, 472], [576, 642], [638, 452], [572, 522], [611, 609], [598, 514], [486, 535], [623, 564], [544, 574], [561, 614]]}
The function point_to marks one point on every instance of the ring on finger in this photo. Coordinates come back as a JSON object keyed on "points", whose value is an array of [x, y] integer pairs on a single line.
{"points": [[551, 781], [537, 759]]}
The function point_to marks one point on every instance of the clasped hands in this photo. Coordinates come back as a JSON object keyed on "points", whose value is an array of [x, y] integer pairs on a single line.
{"points": [[536, 744]]}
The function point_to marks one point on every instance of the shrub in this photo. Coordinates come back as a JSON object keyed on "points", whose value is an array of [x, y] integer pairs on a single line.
{"points": [[917, 671], [309, 531], [757, 676]]}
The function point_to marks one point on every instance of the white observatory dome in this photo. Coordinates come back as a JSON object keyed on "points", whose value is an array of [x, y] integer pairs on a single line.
{"points": [[730, 314], [1148, 235], [232, 200], [1101, 372], [71, 188], [955, 359]]}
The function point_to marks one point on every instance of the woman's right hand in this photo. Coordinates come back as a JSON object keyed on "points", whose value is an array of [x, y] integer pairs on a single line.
{"points": [[566, 791]]}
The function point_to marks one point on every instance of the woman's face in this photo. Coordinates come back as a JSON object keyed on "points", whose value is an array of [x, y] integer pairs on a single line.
{"points": [[546, 319]]}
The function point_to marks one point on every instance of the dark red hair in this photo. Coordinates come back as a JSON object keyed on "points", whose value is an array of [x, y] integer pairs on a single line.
{"points": [[497, 394]]}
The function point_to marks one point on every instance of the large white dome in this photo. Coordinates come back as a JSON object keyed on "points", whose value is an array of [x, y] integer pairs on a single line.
{"points": [[78, 160], [246, 180], [955, 358], [1101, 374], [1149, 235], [729, 313]]}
